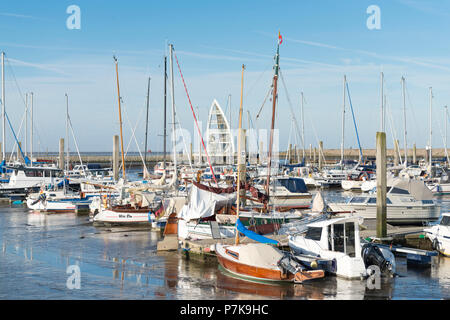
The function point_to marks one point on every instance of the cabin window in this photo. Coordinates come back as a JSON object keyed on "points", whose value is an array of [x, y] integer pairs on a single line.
{"points": [[427, 202], [338, 237], [350, 239], [388, 201], [372, 200], [358, 200], [445, 221], [293, 185], [399, 191], [313, 233]]}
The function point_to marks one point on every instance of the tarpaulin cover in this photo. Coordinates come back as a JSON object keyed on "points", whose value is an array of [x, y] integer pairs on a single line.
{"points": [[252, 235]]}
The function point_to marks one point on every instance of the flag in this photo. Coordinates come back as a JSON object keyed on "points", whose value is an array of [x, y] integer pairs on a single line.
{"points": [[280, 38]]}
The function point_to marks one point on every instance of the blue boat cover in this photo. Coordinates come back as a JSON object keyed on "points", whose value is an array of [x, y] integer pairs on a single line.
{"points": [[252, 235]]}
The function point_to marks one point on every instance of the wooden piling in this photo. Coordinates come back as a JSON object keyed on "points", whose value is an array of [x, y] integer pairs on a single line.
{"points": [[381, 185], [414, 154], [61, 154]]}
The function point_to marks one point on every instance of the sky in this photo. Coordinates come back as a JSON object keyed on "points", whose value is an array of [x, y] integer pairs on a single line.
{"points": [[322, 41]]}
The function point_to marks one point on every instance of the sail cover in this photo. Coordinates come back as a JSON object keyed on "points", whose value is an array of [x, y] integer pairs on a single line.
{"points": [[252, 235], [202, 203]]}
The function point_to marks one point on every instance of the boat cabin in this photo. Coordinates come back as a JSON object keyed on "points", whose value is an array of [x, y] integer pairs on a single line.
{"points": [[338, 235], [292, 184]]}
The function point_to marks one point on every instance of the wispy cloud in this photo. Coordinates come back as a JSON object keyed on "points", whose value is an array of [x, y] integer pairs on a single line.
{"points": [[21, 16], [431, 7], [36, 66], [429, 63]]}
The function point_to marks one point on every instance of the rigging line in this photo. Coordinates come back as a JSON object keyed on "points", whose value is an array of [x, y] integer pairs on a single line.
{"points": [[133, 135], [289, 141], [412, 106], [15, 80], [290, 103], [185, 147], [354, 120], [443, 138], [132, 130], [269, 66], [196, 123], [393, 131], [76, 145], [15, 137], [18, 134], [20, 92], [314, 129], [317, 139], [264, 102], [182, 137]]}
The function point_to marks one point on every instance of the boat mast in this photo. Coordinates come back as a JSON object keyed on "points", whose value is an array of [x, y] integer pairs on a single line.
{"points": [[343, 122], [67, 132], [174, 139], [382, 103], [3, 109], [165, 111], [404, 122], [120, 119], [26, 125], [303, 128], [431, 130], [229, 126], [31, 129], [445, 140], [146, 128], [274, 102], [241, 157]]}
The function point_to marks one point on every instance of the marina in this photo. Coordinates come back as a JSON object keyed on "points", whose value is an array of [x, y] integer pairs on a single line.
{"points": [[201, 160], [123, 263]]}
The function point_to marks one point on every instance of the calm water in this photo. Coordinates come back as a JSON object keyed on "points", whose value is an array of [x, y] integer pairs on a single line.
{"points": [[121, 263]]}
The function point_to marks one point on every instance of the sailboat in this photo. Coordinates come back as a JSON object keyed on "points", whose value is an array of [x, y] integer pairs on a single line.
{"points": [[138, 204], [260, 261]]}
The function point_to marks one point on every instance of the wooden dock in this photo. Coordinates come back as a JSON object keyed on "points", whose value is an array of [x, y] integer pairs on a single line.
{"points": [[203, 249]]}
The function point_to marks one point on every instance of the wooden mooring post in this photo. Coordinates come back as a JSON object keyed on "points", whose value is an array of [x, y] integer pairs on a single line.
{"points": [[381, 185]]}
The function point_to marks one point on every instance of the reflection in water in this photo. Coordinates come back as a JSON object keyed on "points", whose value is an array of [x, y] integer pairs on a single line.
{"points": [[122, 263]]}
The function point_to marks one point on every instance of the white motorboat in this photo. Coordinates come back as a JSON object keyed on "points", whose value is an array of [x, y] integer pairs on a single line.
{"points": [[24, 179], [338, 240], [408, 202], [59, 201], [287, 192], [440, 235]]}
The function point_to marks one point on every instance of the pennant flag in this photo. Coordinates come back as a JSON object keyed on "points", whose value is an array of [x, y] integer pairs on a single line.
{"points": [[280, 38]]}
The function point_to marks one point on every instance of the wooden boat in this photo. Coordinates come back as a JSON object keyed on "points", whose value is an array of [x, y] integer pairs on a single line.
{"points": [[263, 262], [260, 261]]}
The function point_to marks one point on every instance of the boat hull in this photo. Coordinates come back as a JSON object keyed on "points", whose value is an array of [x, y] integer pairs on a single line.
{"points": [[110, 217], [396, 215], [258, 273]]}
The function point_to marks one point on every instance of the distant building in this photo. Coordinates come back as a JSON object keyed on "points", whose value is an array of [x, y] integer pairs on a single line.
{"points": [[220, 142]]}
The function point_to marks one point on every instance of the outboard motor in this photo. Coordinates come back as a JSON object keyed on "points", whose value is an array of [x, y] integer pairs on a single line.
{"points": [[372, 255]]}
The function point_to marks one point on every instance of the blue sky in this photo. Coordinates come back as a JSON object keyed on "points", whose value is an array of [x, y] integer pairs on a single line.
{"points": [[323, 40]]}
